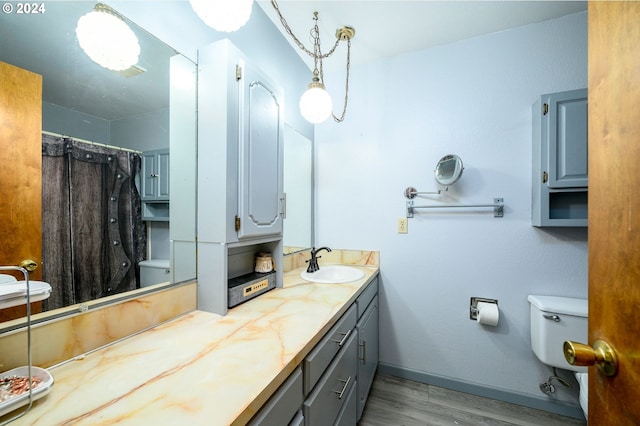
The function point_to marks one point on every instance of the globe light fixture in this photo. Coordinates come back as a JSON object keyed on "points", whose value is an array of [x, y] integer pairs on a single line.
{"points": [[107, 39], [315, 104], [223, 15]]}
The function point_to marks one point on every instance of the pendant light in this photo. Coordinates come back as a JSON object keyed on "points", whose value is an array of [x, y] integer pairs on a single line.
{"points": [[223, 15], [315, 104]]}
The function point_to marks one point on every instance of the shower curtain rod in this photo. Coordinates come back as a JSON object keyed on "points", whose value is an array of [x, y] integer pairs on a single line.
{"points": [[45, 132]]}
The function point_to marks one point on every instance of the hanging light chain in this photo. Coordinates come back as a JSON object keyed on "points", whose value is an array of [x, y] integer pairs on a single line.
{"points": [[346, 87], [344, 33], [315, 34], [295, 39]]}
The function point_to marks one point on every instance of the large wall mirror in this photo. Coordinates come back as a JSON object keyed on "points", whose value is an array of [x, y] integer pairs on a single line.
{"points": [[90, 111], [298, 187]]}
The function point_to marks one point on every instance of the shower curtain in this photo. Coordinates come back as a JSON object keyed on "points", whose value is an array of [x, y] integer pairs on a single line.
{"points": [[92, 232]]}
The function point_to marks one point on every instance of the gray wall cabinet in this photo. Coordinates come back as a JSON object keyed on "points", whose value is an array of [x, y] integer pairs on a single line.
{"points": [[240, 171], [155, 175], [155, 185], [260, 189], [240, 147], [560, 159]]}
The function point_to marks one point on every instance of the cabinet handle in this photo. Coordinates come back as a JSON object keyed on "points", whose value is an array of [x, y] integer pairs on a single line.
{"points": [[153, 175], [344, 388], [364, 351], [344, 338]]}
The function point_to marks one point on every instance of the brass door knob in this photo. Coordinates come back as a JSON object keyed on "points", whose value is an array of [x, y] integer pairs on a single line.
{"points": [[29, 265], [601, 355]]}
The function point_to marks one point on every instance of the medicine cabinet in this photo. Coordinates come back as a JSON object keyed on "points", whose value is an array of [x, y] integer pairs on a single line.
{"points": [[560, 160], [155, 185]]}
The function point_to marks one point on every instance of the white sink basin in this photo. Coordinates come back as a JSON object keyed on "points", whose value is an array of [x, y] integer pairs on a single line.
{"points": [[333, 274], [14, 293]]}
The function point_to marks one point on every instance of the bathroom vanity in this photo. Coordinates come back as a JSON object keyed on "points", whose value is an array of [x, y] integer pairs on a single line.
{"points": [[203, 368]]}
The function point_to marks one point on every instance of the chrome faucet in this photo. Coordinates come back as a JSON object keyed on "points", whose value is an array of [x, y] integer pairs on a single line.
{"points": [[313, 262]]}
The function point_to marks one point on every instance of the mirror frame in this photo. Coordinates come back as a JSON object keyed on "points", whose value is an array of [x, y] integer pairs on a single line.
{"points": [[183, 247], [444, 166]]}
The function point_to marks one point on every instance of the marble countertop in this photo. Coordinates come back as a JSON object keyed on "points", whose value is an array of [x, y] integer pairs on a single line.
{"points": [[200, 368]]}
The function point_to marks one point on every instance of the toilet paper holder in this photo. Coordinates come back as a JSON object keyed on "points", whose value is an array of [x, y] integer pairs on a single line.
{"points": [[473, 306]]}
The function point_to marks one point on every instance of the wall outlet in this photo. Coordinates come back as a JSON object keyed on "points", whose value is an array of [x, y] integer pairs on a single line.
{"points": [[403, 225]]}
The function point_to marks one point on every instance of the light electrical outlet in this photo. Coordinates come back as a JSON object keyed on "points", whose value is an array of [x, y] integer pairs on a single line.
{"points": [[403, 225]]}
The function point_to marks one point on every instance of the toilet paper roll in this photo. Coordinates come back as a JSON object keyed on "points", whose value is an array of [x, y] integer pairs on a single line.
{"points": [[488, 313]]}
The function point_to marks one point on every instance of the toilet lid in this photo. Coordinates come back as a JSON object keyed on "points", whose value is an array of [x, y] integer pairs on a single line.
{"points": [[560, 305], [155, 263]]}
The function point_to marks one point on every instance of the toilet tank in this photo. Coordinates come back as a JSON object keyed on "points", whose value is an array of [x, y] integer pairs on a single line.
{"points": [[553, 320], [154, 271]]}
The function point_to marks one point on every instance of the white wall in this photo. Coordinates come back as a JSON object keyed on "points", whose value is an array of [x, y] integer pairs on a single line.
{"points": [[471, 98], [142, 132], [64, 121]]}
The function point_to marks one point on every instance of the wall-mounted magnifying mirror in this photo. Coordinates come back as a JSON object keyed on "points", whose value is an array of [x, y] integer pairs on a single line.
{"points": [[448, 170]]}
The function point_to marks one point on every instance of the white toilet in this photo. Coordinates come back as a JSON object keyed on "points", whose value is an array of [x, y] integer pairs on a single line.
{"points": [[154, 271], [553, 321]]}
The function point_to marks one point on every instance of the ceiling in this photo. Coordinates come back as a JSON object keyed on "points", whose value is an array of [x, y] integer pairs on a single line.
{"points": [[45, 43], [386, 28]]}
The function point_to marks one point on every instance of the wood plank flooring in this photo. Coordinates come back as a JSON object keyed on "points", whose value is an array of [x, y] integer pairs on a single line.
{"points": [[400, 402]]}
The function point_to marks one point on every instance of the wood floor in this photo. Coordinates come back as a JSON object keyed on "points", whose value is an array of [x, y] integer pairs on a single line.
{"points": [[399, 402]]}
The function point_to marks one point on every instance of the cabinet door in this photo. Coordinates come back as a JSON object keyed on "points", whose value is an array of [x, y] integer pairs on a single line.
{"points": [[149, 160], [283, 405], [331, 392], [163, 175], [260, 155], [155, 175], [348, 413], [567, 139], [368, 352]]}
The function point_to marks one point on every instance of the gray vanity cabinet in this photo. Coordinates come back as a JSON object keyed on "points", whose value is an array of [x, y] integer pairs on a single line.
{"points": [[367, 353], [367, 328], [315, 364], [283, 407], [560, 159], [335, 377], [328, 397]]}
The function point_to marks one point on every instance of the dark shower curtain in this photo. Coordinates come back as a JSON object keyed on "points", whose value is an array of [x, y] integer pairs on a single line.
{"points": [[92, 233]]}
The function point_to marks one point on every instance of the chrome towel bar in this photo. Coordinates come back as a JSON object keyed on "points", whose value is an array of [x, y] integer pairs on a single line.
{"points": [[498, 207]]}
